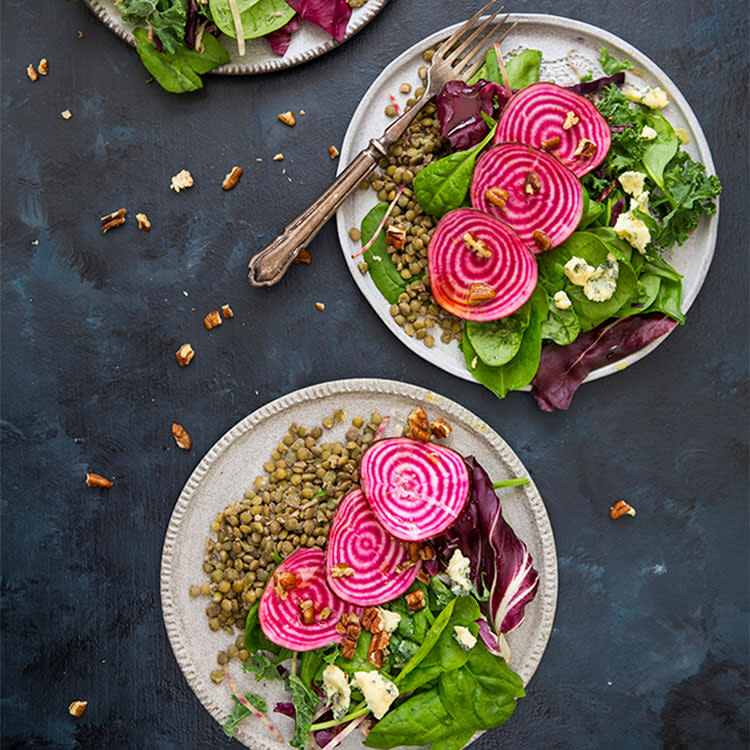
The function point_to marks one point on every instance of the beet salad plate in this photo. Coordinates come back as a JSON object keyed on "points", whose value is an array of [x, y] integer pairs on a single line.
{"points": [[221, 515], [569, 53]]}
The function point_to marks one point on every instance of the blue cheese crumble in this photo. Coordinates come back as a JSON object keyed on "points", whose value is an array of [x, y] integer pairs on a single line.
{"points": [[389, 620], [561, 300], [652, 97], [628, 226], [464, 637], [599, 284], [337, 690], [458, 571], [379, 691]]}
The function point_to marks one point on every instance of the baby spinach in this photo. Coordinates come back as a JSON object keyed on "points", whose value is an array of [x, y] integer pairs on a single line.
{"points": [[523, 68], [258, 17], [443, 185], [592, 210], [560, 326], [255, 638], [166, 19], [382, 269], [610, 64], [661, 150], [497, 341], [305, 702], [490, 70], [240, 712]]}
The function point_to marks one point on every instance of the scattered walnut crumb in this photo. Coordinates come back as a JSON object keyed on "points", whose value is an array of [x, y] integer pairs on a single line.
{"points": [[232, 178], [80, 35], [479, 293], [288, 118], [97, 480], [76, 708], [181, 181], [532, 184], [303, 257], [185, 355], [115, 219], [415, 600], [181, 437], [31, 72], [212, 320], [395, 236], [43, 67], [66, 114], [320, 306], [302, 113], [586, 148], [440, 428], [333, 152], [143, 222], [621, 508], [227, 311], [418, 425], [542, 240]]}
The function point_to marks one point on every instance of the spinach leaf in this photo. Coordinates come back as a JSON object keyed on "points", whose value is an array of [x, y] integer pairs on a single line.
{"points": [[381, 268], [668, 300], [611, 65], [255, 639], [592, 210], [498, 341], [490, 70], [309, 664], [166, 18], [439, 594], [522, 368], [643, 295], [358, 662], [523, 68], [239, 712], [258, 17], [305, 701], [661, 150], [443, 185], [460, 738], [560, 326]]}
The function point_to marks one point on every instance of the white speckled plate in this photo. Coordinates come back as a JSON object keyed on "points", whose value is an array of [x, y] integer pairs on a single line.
{"points": [[229, 468], [308, 42], [564, 43]]}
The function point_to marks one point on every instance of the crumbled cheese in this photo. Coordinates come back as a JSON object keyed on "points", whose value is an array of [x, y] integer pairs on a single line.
{"points": [[389, 620], [578, 271], [458, 571], [379, 692], [561, 300], [633, 230], [632, 182], [652, 97], [181, 181], [648, 134], [602, 284], [683, 135], [464, 637], [337, 690]]}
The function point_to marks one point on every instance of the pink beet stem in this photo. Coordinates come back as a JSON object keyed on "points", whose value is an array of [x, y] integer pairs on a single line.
{"points": [[381, 429], [249, 706], [382, 223], [395, 104], [344, 733]]}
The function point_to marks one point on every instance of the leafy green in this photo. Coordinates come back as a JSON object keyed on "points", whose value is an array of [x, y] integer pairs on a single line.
{"points": [[255, 638], [611, 65], [498, 341], [180, 71], [382, 269], [439, 594], [258, 17], [305, 701], [661, 150], [239, 712], [560, 326], [261, 666], [166, 18], [523, 68], [490, 70], [443, 185], [515, 482]]}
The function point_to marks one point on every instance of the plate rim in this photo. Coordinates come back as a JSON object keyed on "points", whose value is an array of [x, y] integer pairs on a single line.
{"points": [[569, 25], [357, 22], [547, 565]]}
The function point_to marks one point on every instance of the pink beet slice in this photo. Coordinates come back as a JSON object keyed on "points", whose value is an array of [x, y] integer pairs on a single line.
{"points": [[280, 614], [381, 571], [544, 199], [536, 116], [455, 269], [416, 489]]}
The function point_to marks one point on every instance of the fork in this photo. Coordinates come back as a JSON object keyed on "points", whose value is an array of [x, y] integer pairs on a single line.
{"points": [[453, 59]]}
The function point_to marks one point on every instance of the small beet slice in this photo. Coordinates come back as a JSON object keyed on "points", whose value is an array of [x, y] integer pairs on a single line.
{"points": [[457, 272], [380, 563], [545, 115], [543, 198], [283, 600], [416, 489]]}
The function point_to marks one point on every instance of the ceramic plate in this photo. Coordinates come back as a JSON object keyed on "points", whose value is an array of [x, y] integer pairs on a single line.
{"points": [[308, 42], [566, 46], [229, 468]]}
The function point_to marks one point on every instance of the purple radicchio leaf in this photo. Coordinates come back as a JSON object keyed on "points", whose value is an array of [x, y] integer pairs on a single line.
{"points": [[281, 38], [563, 368], [331, 15], [616, 211], [191, 25], [287, 708], [589, 88], [460, 108], [488, 637]]}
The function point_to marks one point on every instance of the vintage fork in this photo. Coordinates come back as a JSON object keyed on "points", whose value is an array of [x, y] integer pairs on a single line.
{"points": [[453, 59]]}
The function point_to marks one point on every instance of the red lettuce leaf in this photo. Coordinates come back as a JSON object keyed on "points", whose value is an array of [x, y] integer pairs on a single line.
{"points": [[331, 15], [589, 88], [563, 368], [281, 38]]}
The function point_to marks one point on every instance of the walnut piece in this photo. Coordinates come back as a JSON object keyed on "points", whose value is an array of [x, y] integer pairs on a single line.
{"points": [[333, 152], [278, 157], [212, 320], [306, 611], [288, 118], [181, 437], [143, 223], [496, 196], [415, 600], [232, 178], [542, 240], [476, 245], [66, 114], [621, 508], [320, 306], [418, 426], [395, 236], [31, 72], [284, 582], [227, 311], [341, 570], [324, 614], [586, 148], [551, 143], [303, 257], [185, 355], [181, 181], [532, 184], [571, 119], [440, 428], [372, 622], [97, 480], [76, 708], [43, 67], [479, 293], [115, 219]]}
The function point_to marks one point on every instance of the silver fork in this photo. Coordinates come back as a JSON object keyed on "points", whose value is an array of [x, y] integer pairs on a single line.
{"points": [[453, 59]]}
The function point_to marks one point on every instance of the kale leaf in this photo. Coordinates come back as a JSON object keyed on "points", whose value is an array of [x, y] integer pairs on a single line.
{"points": [[611, 64], [166, 18]]}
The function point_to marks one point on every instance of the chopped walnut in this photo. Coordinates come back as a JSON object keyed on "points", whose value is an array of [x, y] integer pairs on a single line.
{"points": [[418, 426], [324, 614], [496, 196], [571, 119], [548, 144], [342, 623], [303, 256], [181, 181], [284, 582], [320, 306], [76, 708], [532, 184], [405, 565], [440, 428], [586, 148], [372, 622], [423, 576], [477, 245], [43, 67], [278, 157], [288, 118], [353, 630], [227, 312], [181, 437], [376, 658], [412, 550], [66, 114], [143, 223], [31, 72], [415, 600], [306, 611], [115, 219], [97, 480], [395, 236], [185, 355], [621, 508], [479, 293], [542, 240], [232, 178], [333, 152], [212, 320], [341, 570], [426, 552]]}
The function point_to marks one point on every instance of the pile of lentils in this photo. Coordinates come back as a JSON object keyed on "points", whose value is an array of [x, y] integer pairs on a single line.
{"points": [[416, 311], [289, 507]]}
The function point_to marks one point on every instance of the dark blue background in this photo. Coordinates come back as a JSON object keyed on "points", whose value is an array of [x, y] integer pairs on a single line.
{"points": [[650, 641]]}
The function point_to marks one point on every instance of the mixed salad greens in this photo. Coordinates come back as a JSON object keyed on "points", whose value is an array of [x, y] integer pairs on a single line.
{"points": [[176, 39], [594, 179], [399, 637]]}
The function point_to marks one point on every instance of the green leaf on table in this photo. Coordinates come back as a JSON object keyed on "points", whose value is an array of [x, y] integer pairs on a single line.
{"points": [[258, 17]]}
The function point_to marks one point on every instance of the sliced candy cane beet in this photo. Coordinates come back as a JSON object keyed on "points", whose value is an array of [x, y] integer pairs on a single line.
{"points": [[297, 581], [469, 254], [416, 489], [357, 541], [542, 198], [551, 117]]}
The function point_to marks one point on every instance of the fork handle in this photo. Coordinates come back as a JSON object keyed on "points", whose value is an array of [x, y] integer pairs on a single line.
{"points": [[268, 266]]}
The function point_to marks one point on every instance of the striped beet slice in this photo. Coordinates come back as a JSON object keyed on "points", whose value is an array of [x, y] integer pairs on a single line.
{"points": [[509, 274], [298, 580], [554, 118], [380, 563], [416, 489], [541, 198]]}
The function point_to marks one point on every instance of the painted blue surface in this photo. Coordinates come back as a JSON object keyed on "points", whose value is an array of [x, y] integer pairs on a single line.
{"points": [[649, 648]]}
